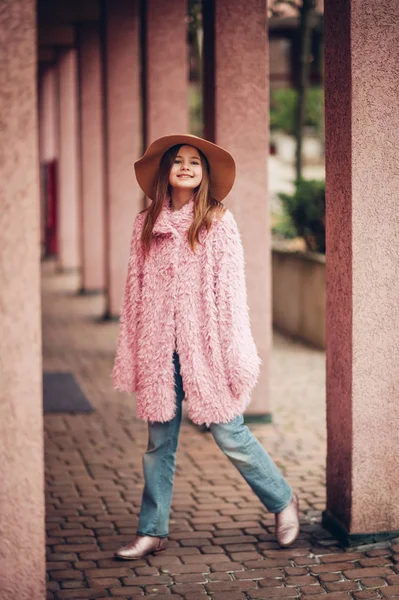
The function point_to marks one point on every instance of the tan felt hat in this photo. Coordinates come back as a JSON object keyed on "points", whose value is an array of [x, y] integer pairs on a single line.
{"points": [[221, 163]]}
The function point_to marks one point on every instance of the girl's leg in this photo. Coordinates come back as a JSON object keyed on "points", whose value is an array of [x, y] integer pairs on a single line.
{"points": [[159, 468], [254, 463]]}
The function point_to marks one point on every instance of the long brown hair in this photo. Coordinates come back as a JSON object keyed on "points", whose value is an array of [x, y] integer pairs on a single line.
{"points": [[205, 206]]}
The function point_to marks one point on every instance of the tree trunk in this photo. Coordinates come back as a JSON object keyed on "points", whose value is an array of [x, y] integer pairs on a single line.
{"points": [[306, 15]]}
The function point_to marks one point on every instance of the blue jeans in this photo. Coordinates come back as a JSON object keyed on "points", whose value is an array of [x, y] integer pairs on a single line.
{"points": [[233, 438]]}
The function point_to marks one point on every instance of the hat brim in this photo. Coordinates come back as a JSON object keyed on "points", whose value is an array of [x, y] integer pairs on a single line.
{"points": [[221, 163]]}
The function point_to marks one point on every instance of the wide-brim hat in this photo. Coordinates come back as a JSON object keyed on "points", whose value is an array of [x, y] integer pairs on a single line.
{"points": [[221, 163]]}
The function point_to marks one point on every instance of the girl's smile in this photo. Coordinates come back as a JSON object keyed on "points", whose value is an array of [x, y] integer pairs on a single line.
{"points": [[186, 171]]}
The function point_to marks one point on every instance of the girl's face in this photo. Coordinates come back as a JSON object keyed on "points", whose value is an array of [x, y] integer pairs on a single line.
{"points": [[186, 171]]}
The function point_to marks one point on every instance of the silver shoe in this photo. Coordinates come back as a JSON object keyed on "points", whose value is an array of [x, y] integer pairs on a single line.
{"points": [[287, 523], [142, 546]]}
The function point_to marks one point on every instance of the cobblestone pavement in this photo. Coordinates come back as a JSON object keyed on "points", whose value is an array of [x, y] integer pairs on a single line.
{"points": [[222, 541]]}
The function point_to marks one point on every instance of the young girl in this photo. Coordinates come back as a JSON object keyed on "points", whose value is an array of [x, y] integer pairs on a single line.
{"points": [[185, 331]]}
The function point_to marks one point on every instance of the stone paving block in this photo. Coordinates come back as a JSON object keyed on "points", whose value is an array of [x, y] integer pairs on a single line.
{"points": [[270, 583], [190, 578], [280, 592], [373, 582], [222, 586], [66, 574], [57, 565], [259, 573], [80, 594], [341, 586], [103, 582], [213, 550], [390, 591], [366, 595], [156, 589], [185, 588], [70, 584], [328, 577], [126, 591], [300, 580], [370, 572], [232, 595], [311, 590], [219, 576], [295, 571]]}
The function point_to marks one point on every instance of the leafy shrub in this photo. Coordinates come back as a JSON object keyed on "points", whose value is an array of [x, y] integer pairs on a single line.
{"points": [[195, 109], [283, 227], [283, 103], [306, 209]]}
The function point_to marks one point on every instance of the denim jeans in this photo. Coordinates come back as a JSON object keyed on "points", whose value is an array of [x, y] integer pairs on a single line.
{"points": [[233, 438]]}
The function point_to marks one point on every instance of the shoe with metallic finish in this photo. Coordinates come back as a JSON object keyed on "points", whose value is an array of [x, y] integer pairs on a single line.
{"points": [[141, 546], [287, 523]]}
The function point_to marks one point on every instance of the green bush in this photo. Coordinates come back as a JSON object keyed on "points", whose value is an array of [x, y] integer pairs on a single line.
{"points": [[283, 227], [306, 210], [195, 109], [283, 105]]}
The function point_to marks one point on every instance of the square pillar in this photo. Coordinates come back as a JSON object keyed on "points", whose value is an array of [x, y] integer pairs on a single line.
{"points": [[166, 68], [22, 534], [123, 140], [362, 182], [48, 144], [68, 210], [236, 96], [48, 116], [92, 158]]}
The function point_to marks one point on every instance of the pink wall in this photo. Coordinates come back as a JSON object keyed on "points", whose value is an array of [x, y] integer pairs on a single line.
{"points": [[241, 126], [69, 217], [22, 564], [362, 107], [92, 158], [124, 140], [166, 68]]}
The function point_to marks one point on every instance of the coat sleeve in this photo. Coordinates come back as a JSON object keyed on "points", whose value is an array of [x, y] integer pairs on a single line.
{"points": [[238, 347], [124, 373]]}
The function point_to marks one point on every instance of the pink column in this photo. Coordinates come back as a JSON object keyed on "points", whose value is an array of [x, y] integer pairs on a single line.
{"points": [[92, 158], [166, 68], [124, 140], [48, 115], [48, 136], [362, 141], [22, 542], [68, 217], [239, 122]]}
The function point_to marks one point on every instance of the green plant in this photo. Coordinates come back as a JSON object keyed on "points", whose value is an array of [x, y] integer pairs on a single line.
{"points": [[195, 109], [314, 115], [283, 227], [283, 104], [282, 109], [306, 209]]}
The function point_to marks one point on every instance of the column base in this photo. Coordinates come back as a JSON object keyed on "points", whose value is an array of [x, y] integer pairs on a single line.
{"points": [[90, 292], [258, 418], [108, 318], [347, 539], [60, 270]]}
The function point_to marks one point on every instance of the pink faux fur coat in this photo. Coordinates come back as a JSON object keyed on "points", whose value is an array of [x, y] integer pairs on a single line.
{"points": [[195, 303]]}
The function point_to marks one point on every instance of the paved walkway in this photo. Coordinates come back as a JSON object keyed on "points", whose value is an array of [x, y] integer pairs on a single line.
{"points": [[222, 542]]}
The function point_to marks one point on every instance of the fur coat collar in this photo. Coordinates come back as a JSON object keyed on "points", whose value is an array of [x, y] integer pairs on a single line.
{"points": [[174, 221]]}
